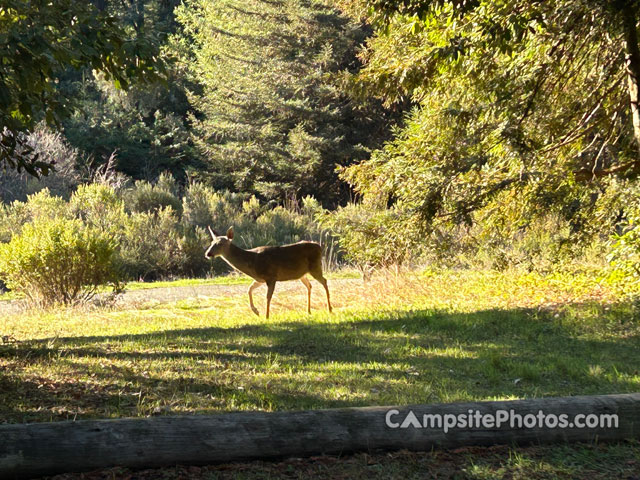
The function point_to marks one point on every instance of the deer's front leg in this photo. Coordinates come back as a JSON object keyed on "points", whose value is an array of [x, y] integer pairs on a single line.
{"points": [[253, 286]]}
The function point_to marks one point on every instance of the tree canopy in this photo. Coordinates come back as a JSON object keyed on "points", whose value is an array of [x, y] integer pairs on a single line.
{"points": [[271, 118], [529, 107], [39, 41], [449, 121]]}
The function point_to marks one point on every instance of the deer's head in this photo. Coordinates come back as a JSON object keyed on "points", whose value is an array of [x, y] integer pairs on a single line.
{"points": [[219, 243]]}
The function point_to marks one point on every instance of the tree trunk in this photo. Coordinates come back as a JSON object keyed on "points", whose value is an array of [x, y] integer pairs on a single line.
{"points": [[632, 58], [31, 450]]}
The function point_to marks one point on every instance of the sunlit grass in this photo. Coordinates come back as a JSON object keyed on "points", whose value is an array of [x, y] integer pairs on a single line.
{"points": [[416, 338]]}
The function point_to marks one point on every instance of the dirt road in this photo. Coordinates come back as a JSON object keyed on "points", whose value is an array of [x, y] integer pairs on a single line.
{"points": [[174, 294]]}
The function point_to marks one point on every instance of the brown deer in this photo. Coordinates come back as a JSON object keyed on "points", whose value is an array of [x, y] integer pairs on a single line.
{"points": [[271, 264]]}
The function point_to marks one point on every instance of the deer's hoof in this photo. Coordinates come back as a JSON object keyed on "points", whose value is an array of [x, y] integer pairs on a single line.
{"points": [[255, 310]]}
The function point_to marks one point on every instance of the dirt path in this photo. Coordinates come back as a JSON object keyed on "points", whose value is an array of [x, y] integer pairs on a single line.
{"points": [[174, 294]]}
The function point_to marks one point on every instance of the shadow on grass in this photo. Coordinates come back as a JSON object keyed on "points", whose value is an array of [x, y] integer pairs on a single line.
{"points": [[390, 358]]}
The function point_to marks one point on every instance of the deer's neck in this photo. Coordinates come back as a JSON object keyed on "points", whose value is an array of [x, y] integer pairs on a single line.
{"points": [[240, 259]]}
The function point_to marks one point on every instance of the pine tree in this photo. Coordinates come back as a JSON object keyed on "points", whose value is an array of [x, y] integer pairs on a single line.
{"points": [[272, 118]]}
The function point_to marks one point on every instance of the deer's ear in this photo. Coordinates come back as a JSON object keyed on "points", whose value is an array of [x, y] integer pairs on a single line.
{"points": [[230, 233], [212, 232]]}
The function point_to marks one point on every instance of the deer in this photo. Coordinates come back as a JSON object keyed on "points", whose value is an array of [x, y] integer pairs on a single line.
{"points": [[271, 264]]}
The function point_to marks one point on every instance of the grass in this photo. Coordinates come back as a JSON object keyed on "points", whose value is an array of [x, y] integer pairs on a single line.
{"points": [[418, 338], [232, 279], [449, 337]]}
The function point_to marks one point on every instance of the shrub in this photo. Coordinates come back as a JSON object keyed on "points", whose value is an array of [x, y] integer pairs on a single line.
{"points": [[99, 206], [371, 238], [40, 205], [158, 234], [204, 206], [58, 261], [50, 146], [152, 245], [195, 205], [624, 256], [147, 197]]}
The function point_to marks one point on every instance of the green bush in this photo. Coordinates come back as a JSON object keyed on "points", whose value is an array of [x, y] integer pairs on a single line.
{"points": [[59, 260], [40, 205], [152, 245], [99, 206], [204, 206], [372, 238], [147, 197], [624, 256], [158, 234]]}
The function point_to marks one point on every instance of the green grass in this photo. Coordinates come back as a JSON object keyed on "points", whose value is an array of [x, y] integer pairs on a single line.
{"points": [[190, 282], [442, 338], [419, 338], [232, 279]]}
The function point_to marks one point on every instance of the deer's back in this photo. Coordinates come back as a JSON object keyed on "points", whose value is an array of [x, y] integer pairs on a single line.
{"points": [[287, 262]]}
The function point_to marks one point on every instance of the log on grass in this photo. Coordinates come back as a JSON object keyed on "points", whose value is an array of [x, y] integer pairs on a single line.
{"points": [[28, 450]]}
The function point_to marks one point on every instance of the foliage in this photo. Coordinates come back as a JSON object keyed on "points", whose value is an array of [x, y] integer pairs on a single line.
{"points": [[42, 40], [369, 237], [38, 206], [147, 197], [496, 125], [58, 261], [271, 121], [160, 232], [145, 125], [152, 245], [98, 206], [624, 245], [625, 255]]}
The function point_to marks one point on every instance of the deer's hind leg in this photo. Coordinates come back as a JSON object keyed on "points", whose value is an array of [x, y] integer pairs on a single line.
{"points": [[307, 284], [317, 274]]}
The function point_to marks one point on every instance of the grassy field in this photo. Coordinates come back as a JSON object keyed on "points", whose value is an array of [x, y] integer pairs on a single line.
{"points": [[418, 338]]}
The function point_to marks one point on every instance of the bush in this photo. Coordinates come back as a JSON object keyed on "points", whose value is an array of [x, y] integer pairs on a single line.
{"points": [[40, 205], [152, 245], [59, 261], [146, 197], [204, 206], [624, 256], [372, 238], [50, 146], [99, 206], [160, 235]]}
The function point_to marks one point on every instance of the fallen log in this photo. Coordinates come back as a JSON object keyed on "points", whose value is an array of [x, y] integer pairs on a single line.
{"points": [[30, 450]]}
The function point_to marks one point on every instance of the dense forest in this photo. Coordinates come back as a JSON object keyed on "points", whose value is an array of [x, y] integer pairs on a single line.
{"points": [[493, 133]]}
